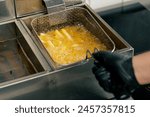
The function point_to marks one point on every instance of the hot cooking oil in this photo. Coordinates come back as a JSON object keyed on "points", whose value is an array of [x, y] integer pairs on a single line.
{"points": [[69, 44]]}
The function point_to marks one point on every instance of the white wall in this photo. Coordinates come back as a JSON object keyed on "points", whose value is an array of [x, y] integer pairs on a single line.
{"points": [[105, 4]]}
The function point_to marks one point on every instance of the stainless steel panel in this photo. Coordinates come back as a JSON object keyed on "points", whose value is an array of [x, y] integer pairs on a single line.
{"points": [[54, 5], [22, 87], [26, 7], [7, 11], [72, 83], [72, 2]]}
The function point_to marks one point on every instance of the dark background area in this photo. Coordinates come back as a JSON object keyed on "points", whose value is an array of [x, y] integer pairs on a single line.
{"points": [[133, 24]]}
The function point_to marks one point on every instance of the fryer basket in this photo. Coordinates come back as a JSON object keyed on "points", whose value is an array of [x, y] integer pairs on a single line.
{"points": [[70, 16]]}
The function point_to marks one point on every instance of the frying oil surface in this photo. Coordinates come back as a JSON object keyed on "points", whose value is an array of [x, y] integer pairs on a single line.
{"points": [[69, 44]]}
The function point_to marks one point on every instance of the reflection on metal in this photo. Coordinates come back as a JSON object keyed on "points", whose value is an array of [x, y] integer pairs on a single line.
{"points": [[54, 5], [6, 10], [26, 7], [73, 2], [146, 3]]}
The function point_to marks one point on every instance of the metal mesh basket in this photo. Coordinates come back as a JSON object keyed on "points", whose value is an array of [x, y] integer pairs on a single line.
{"points": [[71, 16]]}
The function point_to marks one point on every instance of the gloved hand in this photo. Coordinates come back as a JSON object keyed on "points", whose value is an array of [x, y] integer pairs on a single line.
{"points": [[115, 73]]}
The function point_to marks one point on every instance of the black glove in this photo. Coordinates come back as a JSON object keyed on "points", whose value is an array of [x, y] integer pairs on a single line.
{"points": [[115, 73]]}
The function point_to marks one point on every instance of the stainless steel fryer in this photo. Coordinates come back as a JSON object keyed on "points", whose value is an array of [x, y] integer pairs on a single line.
{"points": [[72, 82], [18, 60], [73, 16], [13, 61]]}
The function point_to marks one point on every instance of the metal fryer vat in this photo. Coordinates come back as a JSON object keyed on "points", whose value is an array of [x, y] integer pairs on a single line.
{"points": [[68, 17], [18, 61], [13, 61]]}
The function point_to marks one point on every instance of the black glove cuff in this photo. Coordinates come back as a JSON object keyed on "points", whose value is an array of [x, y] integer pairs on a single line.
{"points": [[131, 78]]}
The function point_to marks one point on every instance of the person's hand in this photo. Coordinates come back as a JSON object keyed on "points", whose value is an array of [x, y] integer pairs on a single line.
{"points": [[115, 73]]}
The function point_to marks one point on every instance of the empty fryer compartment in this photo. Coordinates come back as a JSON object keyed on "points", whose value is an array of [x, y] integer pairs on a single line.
{"points": [[67, 36], [17, 60]]}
